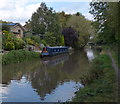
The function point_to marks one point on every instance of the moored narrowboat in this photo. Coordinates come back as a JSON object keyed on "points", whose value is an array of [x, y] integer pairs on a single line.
{"points": [[49, 51]]}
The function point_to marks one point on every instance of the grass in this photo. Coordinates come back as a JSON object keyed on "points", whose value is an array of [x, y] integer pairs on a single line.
{"points": [[101, 87], [16, 56], [114, 50]]}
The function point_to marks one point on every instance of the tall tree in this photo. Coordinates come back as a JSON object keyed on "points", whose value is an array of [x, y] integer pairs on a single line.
{"points": [[82, 27], [63, 18], [46, 20], [106, 20], [113, 19]]}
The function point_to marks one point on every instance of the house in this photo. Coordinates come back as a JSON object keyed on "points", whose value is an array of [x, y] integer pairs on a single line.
{"points": [[16, 28]]}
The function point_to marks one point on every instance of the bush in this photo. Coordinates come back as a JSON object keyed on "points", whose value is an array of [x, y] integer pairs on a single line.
{"points": [[44, 42], [49, 38], [16, 56], [9, 45], [19, 43], [36, 39], [11, 42], [29, 41]]}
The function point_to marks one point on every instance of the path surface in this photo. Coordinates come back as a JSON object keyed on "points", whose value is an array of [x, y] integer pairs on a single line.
{"points": [[117, 74], [114, 65]]}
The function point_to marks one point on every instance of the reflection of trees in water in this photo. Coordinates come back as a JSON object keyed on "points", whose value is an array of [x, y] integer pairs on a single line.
{"points": [[45, 78], [16, 71], [70, 65], [77, 62]]}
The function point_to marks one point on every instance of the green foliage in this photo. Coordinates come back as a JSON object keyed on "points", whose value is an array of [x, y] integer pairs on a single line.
{"points": [[106, 20], [62, 41], [96, 69], [8, 40], [16, 56], [11, 42], [19, 43], [9, 45], [50, 39], [113, 19], [36, 39], [100, 85], [28, 34], [44, 42], [30, 41], [44, 21], [83, 28], [63, 18], [49, 25]]}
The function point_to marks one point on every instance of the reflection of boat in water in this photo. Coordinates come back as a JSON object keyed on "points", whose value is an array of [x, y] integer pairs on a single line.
{"points": [[52, 61]]}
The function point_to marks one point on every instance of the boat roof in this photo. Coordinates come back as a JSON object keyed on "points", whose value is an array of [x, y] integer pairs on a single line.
{"points": [[58, 47]]}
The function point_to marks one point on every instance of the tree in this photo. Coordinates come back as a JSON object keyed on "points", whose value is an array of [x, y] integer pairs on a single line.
{"points": [[46, 20], [63, 18], [82, 27], [50, 39], [36, 39], [113, 16], [106, 19], [70, 36]]}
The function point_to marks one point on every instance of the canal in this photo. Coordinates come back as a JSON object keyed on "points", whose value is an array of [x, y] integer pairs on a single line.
{"points": [[50, 79]]}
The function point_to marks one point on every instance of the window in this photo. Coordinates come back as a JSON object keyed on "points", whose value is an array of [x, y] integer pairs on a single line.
{"points": [[19, 31]]}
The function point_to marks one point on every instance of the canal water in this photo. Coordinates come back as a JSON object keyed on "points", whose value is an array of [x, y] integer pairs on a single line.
{"points": [[51, 79]]}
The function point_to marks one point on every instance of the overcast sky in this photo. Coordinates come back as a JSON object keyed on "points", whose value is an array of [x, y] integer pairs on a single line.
{"points": [[21, 10]]}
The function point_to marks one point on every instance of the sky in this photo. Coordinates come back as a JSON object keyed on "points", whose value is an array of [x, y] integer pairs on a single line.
{"points": [[21, 10]]}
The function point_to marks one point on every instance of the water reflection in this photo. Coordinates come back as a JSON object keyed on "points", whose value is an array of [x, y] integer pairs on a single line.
{"points": [[50, 79], [52, 61], [90, 54]]}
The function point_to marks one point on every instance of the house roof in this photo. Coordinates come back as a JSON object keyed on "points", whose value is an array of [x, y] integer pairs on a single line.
{"points": [[15, 25], [9, 24]]}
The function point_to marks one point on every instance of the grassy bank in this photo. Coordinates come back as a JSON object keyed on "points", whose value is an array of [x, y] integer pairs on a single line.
{"points": [[16, 56], [100, 82]]}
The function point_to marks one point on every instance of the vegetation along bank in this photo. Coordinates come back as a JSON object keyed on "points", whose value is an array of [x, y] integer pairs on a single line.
{"points": [[16, 56], [100, 82]]}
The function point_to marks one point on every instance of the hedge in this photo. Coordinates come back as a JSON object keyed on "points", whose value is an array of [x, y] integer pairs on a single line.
{"points": [[16, 56]]}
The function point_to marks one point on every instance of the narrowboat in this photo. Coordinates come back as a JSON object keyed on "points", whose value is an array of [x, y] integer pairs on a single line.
{"points": [[49, 51]]}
